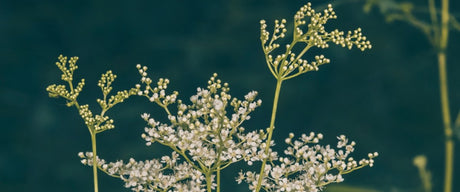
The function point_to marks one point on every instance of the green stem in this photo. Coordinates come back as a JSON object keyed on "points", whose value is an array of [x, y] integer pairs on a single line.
{"points": [[270, 132], [93, 141], [208, 181], [449, 151], [218, 179], [448, 133], [444, 24]]}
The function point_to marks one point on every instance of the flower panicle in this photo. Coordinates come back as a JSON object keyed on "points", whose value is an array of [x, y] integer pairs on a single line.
{"points": [[67, 92], [164, 174], [99, 122], [308, 31], [307, 165]]}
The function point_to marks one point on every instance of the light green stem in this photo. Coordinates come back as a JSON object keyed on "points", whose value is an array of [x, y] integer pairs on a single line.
{"points": [[270, 132], [449, 158], [93, 142]]}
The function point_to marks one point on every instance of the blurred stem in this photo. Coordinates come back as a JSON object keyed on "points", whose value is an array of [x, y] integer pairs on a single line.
{"points": [[270, 132], [449, 158], [93, 142], [448, 133]]}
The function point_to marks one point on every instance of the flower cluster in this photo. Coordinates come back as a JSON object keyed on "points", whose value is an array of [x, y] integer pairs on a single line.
{"points": [[308, 166], [165, 174], [155, 94], [207, 133], [203, 132], [289, 64], [67, 76], [105, 84], [95, 123]]}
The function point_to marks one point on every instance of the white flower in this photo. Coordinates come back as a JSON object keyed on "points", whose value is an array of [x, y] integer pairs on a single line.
{"points": [[218, 105]]}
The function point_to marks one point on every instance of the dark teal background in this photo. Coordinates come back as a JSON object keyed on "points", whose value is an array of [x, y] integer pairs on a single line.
{"points": [[386, 99]]}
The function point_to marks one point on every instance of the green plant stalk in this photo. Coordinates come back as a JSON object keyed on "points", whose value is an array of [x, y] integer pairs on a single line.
{"points": [[270, 131], [218, 179], [208, 181], [448, 132], [93, 143], [449, 145], [92, 131]]}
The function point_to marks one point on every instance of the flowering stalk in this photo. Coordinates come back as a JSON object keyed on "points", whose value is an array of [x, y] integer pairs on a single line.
{"points": [[288, 65], [97, 123], [93, 144], [448, 132]]}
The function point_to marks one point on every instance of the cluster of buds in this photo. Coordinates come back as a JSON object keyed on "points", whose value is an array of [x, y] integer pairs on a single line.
{"points": [[288, 64], [95, 123], [155, 94], [67, 76]]}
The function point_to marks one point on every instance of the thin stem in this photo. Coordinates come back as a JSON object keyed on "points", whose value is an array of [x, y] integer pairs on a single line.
{"points": [[270, 133], [93, 142], [444, 24], [449, 151], [448, 133]]}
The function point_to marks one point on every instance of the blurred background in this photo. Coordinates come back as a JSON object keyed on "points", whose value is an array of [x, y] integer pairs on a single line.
{"points": [[386, 99]]}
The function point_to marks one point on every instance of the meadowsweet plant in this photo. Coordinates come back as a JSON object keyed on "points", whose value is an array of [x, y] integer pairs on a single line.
{"points": [[205, 132]]}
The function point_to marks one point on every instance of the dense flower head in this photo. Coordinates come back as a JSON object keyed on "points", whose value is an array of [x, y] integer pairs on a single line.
{"points": [[208, 130], [307, 165], [164, 174]]}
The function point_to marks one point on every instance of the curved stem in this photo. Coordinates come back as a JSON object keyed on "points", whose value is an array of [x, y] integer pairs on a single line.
{"points": [[93, 142], [270, 133]]}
